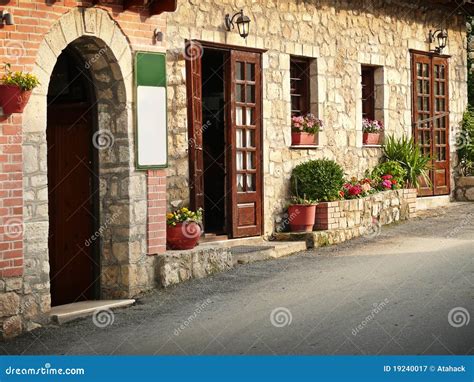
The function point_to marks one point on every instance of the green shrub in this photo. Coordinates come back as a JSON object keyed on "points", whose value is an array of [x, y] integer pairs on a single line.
{"points": [[319, 180], [465, 144], [393, 168], [406, 152]]}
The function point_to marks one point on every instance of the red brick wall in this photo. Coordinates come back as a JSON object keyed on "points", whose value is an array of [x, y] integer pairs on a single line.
{"points": [[156, 220], [11, 197], [19, 44]]}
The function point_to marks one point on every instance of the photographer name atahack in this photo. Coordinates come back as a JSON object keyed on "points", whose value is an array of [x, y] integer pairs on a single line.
{"points": [[451, 369]]}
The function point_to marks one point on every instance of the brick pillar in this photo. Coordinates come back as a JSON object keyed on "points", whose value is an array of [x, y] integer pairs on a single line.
{"points": [[11, 197], [156, 212]]}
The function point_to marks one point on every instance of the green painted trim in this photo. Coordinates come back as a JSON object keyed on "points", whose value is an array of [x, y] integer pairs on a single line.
{"points": [[153, 79]]}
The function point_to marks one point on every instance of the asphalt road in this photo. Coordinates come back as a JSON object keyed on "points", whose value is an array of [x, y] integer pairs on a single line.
{"points": [[409, 290]]}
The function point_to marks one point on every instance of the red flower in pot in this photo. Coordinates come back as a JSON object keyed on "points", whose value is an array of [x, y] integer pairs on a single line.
{"points": [[372, 131], [183, 228], [15, 90], [305, 129]]}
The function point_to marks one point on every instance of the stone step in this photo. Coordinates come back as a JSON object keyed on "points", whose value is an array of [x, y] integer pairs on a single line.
{"points": [[68, 312], [430, 202]]}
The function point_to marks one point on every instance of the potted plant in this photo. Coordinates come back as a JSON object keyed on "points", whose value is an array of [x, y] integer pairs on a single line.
{"points": [[301, 214], [15, 90], [183, 228], [372, 131], [305, 129]]}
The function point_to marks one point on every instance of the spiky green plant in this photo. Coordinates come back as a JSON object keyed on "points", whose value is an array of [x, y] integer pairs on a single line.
{"points": [[406, 152]]}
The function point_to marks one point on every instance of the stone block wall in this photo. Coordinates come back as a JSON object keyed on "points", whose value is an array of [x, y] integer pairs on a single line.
{"points": [[465, 189], [340, 36], [377, 209], [105, 36]]}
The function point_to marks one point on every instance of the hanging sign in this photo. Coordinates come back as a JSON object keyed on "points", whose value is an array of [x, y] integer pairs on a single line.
{"points": [[151, 110]]}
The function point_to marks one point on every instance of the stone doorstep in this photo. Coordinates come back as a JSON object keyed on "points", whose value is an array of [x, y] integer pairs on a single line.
{"points": [[430, 202], [276, 250], [65, 313]]}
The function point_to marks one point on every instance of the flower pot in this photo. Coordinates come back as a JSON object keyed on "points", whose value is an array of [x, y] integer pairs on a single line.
{"points": [[301, 217], [183, 235], [371, 138], [298, 139], [13, 99]]}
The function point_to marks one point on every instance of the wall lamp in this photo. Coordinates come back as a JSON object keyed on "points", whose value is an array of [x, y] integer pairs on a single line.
{"points": [[441, 35], [6, 18], [242, 21]]}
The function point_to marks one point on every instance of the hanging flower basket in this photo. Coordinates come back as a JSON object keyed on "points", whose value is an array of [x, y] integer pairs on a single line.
{"points": [[13, 99], [15, 90]]}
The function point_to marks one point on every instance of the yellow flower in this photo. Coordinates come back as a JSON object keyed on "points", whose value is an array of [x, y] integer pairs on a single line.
{"points": [[169, 215]]}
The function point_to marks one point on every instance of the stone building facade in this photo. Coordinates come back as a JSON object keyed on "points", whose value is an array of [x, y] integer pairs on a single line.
{"points": [[129, 219], [341, 37]]}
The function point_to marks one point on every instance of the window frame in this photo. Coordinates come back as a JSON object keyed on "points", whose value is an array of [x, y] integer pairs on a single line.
{"points": [[368, 102], [303, 78]]}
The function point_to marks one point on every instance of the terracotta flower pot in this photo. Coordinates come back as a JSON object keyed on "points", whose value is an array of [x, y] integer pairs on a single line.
{"points": [[13, 99], [301, 217], [298, 139], [371, 138], [183, 235]]}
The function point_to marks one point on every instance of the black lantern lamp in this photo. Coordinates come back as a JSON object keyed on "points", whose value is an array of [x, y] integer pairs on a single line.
{"points": [[242, 21], [441, 35]]}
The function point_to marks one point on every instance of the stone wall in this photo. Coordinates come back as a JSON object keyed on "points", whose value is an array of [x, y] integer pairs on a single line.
{"points": [[104, 37], [465, 189], [341, 36], [369, 212]]}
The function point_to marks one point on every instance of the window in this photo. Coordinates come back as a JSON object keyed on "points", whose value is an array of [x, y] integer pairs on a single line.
{"points": [[300, 85], [368, 92]]}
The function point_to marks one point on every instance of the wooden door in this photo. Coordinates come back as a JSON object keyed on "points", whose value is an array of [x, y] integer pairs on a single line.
{"points": [[71, 210], [244, 88], [431, 119], [194, 95]]}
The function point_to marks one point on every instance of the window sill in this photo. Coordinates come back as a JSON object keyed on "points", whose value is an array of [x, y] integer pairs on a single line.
{"points": [[372, 146], [304, 147]]}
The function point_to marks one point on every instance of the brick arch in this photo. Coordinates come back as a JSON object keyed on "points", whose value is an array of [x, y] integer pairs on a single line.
{"points": [[106, 54]]}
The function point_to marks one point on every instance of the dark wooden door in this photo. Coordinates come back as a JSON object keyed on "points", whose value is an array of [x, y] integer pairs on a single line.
{"points": [[431, 119], [244, 88], [71, 207], [194, 95]]}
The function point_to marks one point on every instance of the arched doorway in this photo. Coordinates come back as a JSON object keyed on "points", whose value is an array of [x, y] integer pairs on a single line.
{"points": [[73, 182]]}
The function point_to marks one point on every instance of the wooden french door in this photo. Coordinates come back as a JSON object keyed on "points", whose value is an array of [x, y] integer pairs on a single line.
{"points": [[243, 139], [245, 142], [431, 118]]}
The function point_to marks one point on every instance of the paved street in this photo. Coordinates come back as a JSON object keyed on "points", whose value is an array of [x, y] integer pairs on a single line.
{"points": [[408, 291]]}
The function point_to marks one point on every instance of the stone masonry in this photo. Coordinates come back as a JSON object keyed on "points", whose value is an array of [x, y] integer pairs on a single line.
{"points": [[105, 37], [341, 36], [465, 189]]}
